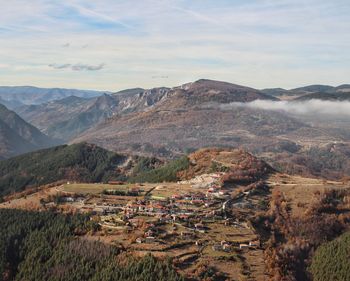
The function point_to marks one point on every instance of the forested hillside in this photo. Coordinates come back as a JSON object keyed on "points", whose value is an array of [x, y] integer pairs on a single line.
{"points": [[167, 172], [78, 162], [332, 260], [46, 246]]}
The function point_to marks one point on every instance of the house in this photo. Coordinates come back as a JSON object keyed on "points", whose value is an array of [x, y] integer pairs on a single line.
{"points": [[216, 247], [254, 244], [150, 239], [132, 207], [243, 246], [139, 240], [227, 247], [184, 217], [176, 196], [198, 243], [200, 227]]}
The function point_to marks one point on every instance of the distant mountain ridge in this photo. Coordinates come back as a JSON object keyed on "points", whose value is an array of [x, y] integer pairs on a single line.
{"points": [[68, 117], [34, 95], [332, 96], [306, 90]]}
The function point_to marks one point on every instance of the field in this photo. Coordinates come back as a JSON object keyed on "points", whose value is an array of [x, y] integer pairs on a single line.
{"points": [[30, 202], [97, 188], [93, 188], [300, 191]]}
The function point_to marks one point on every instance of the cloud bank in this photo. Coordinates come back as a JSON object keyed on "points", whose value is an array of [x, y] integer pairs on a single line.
{"points": [[311, 107], [78, 67]]}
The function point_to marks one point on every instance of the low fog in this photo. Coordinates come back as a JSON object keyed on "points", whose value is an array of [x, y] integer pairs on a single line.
{"points": [[311, 107]]}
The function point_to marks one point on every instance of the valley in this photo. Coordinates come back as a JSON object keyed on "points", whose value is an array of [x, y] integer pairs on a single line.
{"points": [[194, 177]]}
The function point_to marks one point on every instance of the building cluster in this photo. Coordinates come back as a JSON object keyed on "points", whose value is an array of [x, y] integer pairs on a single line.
{"points": [[228, 246]]}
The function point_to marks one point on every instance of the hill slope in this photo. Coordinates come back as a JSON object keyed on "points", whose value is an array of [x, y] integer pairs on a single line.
{"points": [[336, 96], [95, 112], [315, 88], [79, 162], [17, 136], [331, 260]]}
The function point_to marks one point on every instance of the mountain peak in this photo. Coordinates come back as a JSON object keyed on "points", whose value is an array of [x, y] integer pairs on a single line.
{"points": [[207, 83]]}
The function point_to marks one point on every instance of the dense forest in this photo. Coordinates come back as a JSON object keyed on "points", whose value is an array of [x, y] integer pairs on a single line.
{"points": [[78, 162], [46, 246], [332, 260], [165, 173]]}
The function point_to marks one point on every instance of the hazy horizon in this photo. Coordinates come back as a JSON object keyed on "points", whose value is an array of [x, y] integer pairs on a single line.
{"points": [[167, 86]]}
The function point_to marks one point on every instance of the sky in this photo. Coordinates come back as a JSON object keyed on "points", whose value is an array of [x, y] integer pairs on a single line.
{"points": [[118, 44]]}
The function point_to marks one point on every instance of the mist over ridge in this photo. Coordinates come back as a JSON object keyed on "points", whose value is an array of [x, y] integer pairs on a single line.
{"points": [[314, 106]]}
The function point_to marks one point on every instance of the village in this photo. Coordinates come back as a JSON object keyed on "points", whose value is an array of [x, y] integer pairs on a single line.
{"points": [[155, 215], [196, 221]]}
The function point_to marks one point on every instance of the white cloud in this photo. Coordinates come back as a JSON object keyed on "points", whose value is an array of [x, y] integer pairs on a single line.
{"points": [[78, 66], [310, 107]]}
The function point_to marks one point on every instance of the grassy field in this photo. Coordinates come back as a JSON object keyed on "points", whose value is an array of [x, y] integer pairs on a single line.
{"points": [[168, 189], [300, 192], [93, 188], [96, 188]]}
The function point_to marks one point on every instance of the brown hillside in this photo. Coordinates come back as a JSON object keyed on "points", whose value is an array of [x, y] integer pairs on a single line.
{"points": [[238, 165]]}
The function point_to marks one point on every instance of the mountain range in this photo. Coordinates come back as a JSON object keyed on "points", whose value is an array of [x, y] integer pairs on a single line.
{"points": [[188, 117], [167, 122], [311, 89], [18, 95], [67, 118]]}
